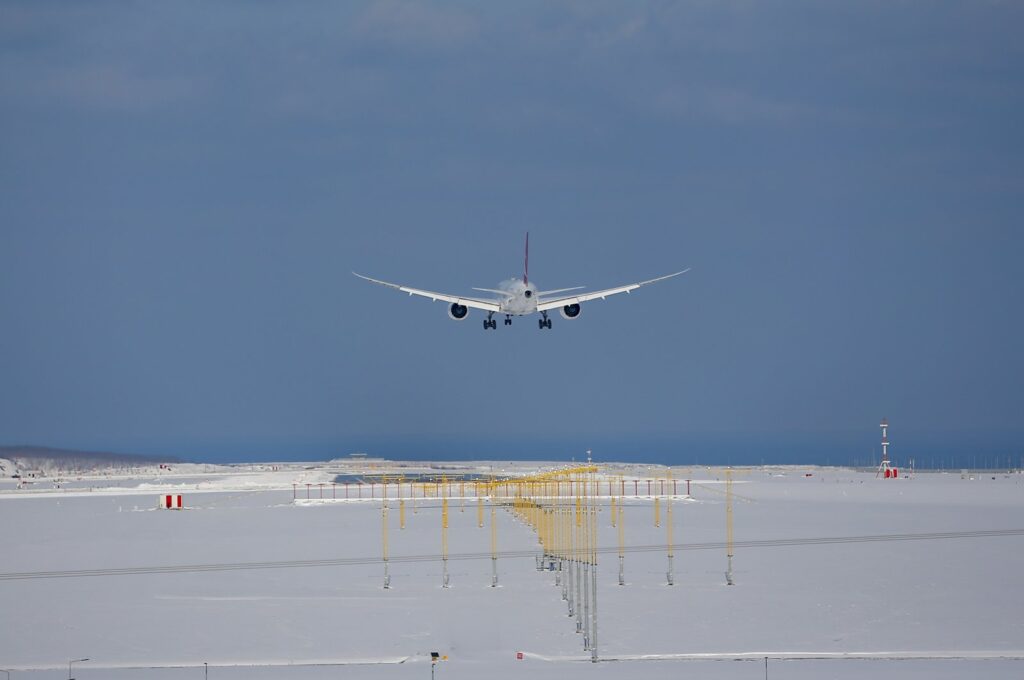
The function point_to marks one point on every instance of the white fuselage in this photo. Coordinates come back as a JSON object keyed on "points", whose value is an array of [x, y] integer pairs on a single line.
{"points": [[519, 298]]}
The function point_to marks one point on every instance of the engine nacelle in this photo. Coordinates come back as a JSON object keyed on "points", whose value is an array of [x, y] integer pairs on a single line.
{"points": [[570, 311], [458, 312]]}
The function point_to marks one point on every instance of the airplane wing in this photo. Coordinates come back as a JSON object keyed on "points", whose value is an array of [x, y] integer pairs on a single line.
{"points": [[546, 305], [475, 303]]}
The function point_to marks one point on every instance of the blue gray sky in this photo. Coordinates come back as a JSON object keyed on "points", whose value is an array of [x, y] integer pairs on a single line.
{"points": [[185, 188]]}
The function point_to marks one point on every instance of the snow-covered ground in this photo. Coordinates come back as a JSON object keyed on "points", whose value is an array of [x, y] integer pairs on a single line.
{"points": [[202, 591]]}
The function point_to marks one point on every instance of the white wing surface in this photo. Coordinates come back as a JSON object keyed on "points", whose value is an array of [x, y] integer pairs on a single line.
{"points": [[475, 303], [546, 305]]}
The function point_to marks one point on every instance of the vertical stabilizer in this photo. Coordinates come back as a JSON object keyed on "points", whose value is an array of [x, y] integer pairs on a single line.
{"points": [[526, 263]]}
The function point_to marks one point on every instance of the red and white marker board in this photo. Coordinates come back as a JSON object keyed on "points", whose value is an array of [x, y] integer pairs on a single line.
{"points": [[171, 501]]}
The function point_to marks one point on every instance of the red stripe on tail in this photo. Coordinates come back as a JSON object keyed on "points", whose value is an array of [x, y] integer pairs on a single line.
{"points": [[526, 264]]}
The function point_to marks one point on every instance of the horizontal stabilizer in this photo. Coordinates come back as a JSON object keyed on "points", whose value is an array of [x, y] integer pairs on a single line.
{"points": [[558, 290], [496, 291]]}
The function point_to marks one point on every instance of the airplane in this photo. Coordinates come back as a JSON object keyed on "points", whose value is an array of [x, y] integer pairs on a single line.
{"points": [[519, 297]]}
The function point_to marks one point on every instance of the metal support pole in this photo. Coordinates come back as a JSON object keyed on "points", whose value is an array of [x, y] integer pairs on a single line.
{"points": [[69, 666], [444, 542], [622, 548], [728, 526], [494, 549], [573, 589], [585, 558], [593, 584], [593, 611], [577, 558], [384, 543], [670, 574], [586, 603], [556, 538], [566, 566], [560, 575]]}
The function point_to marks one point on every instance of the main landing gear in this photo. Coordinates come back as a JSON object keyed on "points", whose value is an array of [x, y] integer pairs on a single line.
{"points": [[490, 323]]}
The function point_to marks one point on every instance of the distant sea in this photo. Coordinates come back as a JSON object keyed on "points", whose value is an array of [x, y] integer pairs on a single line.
{"points": [[859, 449]]}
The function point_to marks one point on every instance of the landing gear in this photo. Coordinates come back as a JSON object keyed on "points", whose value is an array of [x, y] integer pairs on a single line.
{"points": [[489, 322], [508, 320], [544, 322]]}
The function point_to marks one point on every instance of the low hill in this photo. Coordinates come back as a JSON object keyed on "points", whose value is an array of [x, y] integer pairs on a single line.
{"points": [[50, 461]]}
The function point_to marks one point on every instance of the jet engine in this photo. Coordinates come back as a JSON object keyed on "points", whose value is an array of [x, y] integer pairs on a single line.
{"points": [[457, 311], [570, 311]]}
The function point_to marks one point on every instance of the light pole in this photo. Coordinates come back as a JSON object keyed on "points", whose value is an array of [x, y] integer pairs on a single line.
{"points": [[206, 670], [69, 666], [4, 670]]}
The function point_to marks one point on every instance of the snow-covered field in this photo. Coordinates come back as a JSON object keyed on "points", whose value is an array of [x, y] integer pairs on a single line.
{"points": [[170, 591]]}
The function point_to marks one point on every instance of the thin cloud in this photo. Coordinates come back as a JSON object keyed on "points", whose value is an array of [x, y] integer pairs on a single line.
{"points": [[729, 105], [412, 25], [118, 88]]}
